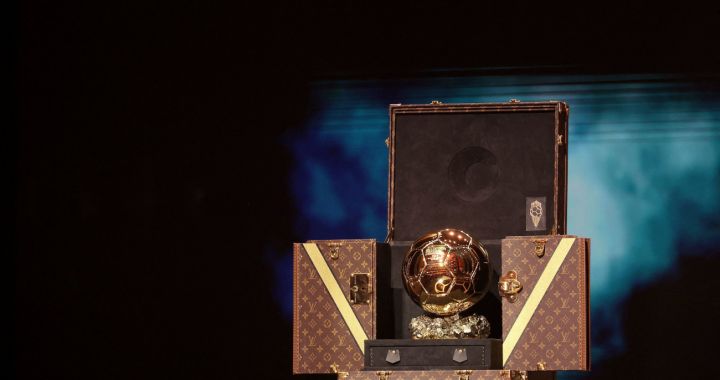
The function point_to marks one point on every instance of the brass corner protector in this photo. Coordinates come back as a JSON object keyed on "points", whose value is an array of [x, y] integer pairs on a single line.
{"points": [[341, 375]]}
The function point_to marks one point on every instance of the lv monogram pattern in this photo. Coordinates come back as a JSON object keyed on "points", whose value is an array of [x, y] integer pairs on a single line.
{"points": [[321, 338], [557, 332], [431, 375]]}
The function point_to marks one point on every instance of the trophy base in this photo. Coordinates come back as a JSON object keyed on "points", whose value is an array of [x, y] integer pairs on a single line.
{"points": [[433, 354], [452, 327]]}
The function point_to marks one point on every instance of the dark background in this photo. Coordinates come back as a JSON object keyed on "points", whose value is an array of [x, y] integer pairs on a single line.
{"points": [[151, 176]]}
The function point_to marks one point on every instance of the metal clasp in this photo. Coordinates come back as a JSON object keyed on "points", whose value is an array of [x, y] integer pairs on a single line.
{"points": [[334, 250], [383, 375], [341, 375], [460, 355], [463, 374], [360, 288], [509, 286], [392, 356], [540, 247], [514, 375]]}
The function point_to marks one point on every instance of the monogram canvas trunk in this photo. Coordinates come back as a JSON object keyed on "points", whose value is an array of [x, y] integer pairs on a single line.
{"points": [[433, 354], [545, 288], [447, 375], [489, 169], [492, 170], [336, 288]]}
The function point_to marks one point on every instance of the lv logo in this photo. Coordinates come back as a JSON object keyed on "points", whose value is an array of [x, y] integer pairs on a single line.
{"points": [[341, 340], [342, 272], [312, 341], [312, 306], [533, 338], [563, 270], [564, 336], [533, 270], [564, 302], [313, 275]]}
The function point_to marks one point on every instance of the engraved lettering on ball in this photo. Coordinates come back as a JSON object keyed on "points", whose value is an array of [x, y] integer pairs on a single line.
{"points": [[446, 272]]}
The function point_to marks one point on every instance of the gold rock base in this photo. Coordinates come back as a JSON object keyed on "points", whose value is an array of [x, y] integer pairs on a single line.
{"points": [[452, 327]]}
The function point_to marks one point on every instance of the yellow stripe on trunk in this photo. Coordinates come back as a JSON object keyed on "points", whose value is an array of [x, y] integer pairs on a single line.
{"points": [[337, 295], [546, 278]]}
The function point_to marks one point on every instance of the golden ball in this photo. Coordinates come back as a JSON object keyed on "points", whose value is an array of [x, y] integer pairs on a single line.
{"points": [[446, 272]]}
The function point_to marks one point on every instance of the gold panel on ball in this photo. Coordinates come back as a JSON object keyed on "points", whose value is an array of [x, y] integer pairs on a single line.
{"points": [[446, 272]]}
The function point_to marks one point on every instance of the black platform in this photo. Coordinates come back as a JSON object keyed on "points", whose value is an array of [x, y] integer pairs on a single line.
{"points": [[408, 354]]}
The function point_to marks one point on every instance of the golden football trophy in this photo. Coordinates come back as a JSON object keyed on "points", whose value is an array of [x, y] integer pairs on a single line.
{"points": [[445, 273]]}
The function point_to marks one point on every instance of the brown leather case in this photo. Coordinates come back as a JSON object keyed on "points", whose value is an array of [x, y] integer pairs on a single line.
{"points": [[447, 375], [323, 335], [546, 321]]}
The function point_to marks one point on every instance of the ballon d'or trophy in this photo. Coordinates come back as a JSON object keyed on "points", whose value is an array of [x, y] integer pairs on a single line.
{"points": [[446, 273]]}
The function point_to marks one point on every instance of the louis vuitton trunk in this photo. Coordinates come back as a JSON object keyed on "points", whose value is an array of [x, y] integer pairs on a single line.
{"points": [[491, 170], [447, 375], [545, 289], [337, 294]]}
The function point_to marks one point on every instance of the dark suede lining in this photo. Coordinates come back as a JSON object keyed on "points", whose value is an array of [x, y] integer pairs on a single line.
{"points": [[472, 171]]}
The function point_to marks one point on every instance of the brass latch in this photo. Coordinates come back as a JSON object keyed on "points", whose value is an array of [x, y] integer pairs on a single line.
{"points": [[514, 375], [541, 365], [540, 247], [359, 288], [463, 374], [435, 102], [334, 250], [509, 286], [383, 375], [340, 374], [514, 101]]}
